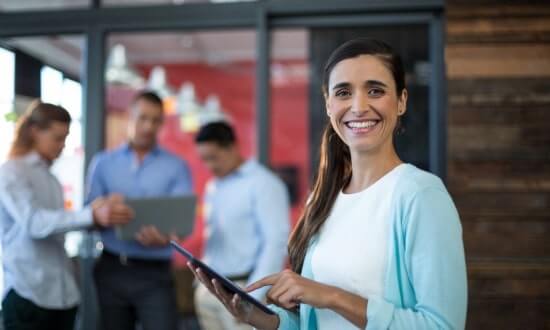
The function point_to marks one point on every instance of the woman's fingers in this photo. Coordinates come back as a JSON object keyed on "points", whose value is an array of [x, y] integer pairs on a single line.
{"points": [[285, 282], [226, 299], [191, 268], [290, 298], [226, 296], [231, 302], [287, 291], [269, 280], [199, 274], [244, 310]]}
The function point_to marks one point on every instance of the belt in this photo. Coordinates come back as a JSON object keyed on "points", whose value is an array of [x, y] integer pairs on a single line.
{"points": [[132, 261], [241, 277]]}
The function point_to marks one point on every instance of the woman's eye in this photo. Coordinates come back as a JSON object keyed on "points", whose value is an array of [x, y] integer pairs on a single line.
{"points": [[376, 92], [342, 93]]}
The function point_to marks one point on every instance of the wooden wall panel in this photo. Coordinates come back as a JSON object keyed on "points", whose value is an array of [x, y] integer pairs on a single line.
{"points": [[498, 69]]}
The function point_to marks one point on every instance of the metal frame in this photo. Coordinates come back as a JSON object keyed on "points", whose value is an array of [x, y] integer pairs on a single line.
{"points": [[263, 95], [263, 15], [94, 123]]}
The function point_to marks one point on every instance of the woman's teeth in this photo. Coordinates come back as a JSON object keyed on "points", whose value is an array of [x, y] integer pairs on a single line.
{"points": [[362, 124]]}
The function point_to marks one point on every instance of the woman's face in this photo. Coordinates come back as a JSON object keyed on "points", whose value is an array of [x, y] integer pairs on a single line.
{"points": [[362, 103], [49, 142]]}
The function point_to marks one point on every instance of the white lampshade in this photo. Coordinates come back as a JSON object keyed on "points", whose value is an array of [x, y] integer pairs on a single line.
{"points": [[157, 82], [119, 71]]}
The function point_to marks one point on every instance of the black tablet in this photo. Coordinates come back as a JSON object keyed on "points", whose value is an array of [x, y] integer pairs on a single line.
{"points": [[226, 284]]}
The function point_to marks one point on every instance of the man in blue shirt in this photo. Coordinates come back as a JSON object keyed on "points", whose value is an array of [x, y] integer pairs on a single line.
{"points": [[133, 278], [247, 221]]}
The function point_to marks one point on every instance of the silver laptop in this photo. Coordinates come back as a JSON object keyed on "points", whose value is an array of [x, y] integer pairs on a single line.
{"points": [[168, 214]]}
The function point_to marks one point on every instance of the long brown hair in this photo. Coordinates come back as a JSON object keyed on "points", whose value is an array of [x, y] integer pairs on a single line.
{"points": [[39, 115], [334, 171]]}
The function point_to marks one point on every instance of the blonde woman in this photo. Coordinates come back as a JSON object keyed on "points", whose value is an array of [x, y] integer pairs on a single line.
{"points": [[40, 291]]}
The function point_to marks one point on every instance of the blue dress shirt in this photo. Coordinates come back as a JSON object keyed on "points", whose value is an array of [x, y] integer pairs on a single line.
{"points": [[247, 223], [159, 174]]}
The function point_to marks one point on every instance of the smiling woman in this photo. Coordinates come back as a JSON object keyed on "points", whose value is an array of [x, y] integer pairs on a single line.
{"points": [[379, 244], [363, 103]]}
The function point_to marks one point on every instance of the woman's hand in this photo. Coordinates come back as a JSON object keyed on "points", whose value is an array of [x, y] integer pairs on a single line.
{"points": [[289, 289], [243, 311]]}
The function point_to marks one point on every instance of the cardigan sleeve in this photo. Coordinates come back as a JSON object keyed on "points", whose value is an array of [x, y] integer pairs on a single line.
{"points": [[287, 320], [435, 264]]}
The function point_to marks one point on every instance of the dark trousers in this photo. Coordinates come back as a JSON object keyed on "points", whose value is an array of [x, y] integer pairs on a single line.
{"points": [[22, 314], [134, 292]]}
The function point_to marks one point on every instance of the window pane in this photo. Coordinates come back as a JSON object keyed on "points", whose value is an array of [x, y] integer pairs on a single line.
{"points": [[200, 75], [69, 168], [72, 98], [289, 141], [7, 63], [51, 85]]}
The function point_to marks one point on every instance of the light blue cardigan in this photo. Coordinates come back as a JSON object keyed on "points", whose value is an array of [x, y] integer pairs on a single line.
{"points": [[425, 284]]}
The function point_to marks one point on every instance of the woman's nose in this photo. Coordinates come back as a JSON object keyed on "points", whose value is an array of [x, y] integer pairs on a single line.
{"points": [[360, 103]]}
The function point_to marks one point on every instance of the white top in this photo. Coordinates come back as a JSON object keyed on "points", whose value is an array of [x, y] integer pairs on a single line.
{"points": [[32, 227], [352, 249]]}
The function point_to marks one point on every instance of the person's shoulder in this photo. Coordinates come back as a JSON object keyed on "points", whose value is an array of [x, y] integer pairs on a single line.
{"points": [[172, 158], [11, 165], [413, 180], [261, 171], [15, 168], [422, 196], [263, 177], [108, 155]]}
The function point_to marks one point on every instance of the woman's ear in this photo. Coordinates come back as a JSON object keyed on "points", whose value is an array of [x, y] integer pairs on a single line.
{"points": [[33, 132], [327, 104], [402, 103]]}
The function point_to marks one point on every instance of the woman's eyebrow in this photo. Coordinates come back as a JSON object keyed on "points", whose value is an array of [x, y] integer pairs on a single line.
{"points": [[340, 85], [375, 83], [369, 83]]}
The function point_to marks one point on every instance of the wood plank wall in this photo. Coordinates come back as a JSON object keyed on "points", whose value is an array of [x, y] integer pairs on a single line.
{"points": [[498, 69]]}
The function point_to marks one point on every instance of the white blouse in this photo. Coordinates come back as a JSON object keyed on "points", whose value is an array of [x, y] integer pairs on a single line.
{"points": [[352, 249]]}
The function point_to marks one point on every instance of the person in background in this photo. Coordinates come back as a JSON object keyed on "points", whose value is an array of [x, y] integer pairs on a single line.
{"points": [[247, 221], [40, 291], [379, 244], [134, 278]]}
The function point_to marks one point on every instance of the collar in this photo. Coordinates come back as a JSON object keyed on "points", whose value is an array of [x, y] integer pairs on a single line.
{"points": [[33, 158], [128, 149], [246, 167]]}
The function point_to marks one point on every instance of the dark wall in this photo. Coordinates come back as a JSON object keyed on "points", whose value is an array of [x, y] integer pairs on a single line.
{"points": [[27, 75], [411, 42]]}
